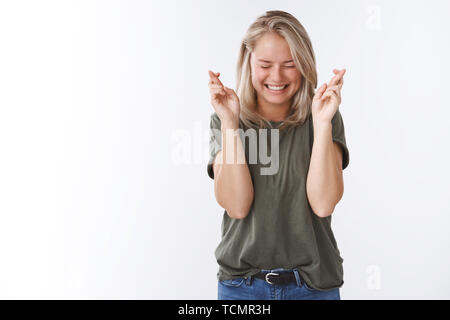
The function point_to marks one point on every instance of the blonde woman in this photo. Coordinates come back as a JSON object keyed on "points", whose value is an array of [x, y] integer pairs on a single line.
{"points": [[277, 241]]}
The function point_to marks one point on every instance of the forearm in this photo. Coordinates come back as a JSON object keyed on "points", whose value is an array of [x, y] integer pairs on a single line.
{"points": [[324, 184], [233, 184]]}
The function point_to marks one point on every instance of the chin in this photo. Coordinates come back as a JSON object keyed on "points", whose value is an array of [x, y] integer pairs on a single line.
{"points": [[277, 101]]}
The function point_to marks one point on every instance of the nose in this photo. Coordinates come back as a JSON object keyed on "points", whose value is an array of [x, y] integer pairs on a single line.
{"points": [[276, 74]]}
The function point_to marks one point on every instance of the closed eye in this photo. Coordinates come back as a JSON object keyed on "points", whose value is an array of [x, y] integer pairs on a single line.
{"points": [[265, 67]]}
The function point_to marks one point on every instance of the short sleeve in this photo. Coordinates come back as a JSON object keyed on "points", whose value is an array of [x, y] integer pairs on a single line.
{"points": [[338, 133], [215, 142]]}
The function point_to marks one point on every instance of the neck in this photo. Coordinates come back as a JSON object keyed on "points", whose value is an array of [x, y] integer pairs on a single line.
{"points": [[272, 112]]}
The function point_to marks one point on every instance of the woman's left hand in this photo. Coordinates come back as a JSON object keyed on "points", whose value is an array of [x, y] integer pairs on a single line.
{"points": [[327, 99]]}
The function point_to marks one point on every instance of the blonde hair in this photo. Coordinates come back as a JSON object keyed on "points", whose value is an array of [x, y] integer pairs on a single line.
{"points": [[288, 27]]}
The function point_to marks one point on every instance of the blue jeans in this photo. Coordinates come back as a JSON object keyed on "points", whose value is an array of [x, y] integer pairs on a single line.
{"points": [[252, 288]]}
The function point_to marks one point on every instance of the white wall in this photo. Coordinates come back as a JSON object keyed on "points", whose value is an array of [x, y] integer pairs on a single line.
{"points": [[93, 205]]}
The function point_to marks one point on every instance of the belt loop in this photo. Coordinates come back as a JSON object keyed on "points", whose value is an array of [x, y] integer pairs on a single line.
{"points": [[248, 280], [297, 277]]}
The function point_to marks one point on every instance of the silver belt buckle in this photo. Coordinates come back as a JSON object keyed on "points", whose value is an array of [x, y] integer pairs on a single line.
{"points": [[267, 276]]}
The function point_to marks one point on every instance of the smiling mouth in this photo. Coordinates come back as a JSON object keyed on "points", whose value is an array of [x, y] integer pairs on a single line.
{"points": [[275, 90]]}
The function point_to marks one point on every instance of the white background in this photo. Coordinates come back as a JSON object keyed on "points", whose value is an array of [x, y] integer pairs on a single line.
{"points": [[94, 205]]}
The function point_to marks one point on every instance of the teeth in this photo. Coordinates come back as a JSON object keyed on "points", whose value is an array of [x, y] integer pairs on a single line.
{"points": [[276, 88]]}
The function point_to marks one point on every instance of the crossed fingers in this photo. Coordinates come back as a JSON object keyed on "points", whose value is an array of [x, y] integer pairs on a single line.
{"points": [[335, 84], [215, 85], [338, 79]]}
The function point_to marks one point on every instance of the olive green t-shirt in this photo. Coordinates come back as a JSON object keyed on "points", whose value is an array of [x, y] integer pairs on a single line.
{"points": [[281, 230]]}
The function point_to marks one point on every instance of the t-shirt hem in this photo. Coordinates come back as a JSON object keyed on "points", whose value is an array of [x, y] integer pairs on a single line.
{"points": [[345, 153], [210, 168]]}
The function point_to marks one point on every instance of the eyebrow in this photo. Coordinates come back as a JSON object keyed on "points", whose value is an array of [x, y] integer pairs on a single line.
{"points": [[262, 60]]}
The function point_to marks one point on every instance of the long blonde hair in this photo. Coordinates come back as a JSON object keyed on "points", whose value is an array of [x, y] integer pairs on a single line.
{"points": [[288, 27]]}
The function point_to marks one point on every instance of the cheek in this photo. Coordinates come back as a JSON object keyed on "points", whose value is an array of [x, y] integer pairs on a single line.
{"points": [[294, 75], [259, 76], [297, 79]]}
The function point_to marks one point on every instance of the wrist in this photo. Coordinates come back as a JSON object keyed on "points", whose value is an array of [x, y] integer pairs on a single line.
{"points": [[321, 123], [322, 128], [230, 124]]}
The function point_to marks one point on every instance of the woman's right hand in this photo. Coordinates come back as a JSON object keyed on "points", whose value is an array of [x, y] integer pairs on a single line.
{"points": [[224, 100]]}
